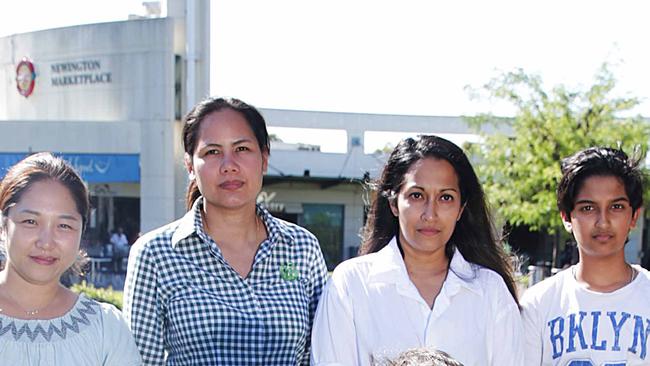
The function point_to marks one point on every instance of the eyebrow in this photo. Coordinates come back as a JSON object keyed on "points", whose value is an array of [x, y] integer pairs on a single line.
{"points": [[236, 142], [619, 199], [442, 190], [36, 213]]}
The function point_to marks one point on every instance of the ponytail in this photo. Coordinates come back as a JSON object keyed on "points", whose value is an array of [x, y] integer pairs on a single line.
{"points": [[192, 195]]}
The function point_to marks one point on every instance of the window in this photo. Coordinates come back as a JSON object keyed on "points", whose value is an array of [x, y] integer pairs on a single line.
{"points": [[326, 222]]}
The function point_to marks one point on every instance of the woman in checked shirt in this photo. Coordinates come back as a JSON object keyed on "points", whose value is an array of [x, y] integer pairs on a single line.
{"points": [[227, 284]]}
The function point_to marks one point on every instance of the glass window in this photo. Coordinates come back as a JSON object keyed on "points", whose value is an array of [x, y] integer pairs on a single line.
{"points": [[326, 222]]}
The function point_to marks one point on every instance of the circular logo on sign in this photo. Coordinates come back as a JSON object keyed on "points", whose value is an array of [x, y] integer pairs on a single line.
{"points": [[25, 77]]}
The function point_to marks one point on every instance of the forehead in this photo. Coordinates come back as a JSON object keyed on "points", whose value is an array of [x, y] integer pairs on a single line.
{"points": [[601, 187], [47, 195], [225, 124], [431, 172]]}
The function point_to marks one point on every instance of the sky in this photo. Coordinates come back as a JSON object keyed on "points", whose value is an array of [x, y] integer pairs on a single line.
{"points": [[411, 57]]}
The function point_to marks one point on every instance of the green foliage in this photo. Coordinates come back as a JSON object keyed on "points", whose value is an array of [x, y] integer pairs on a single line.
{"points": [[520, 167], [100, 294]]}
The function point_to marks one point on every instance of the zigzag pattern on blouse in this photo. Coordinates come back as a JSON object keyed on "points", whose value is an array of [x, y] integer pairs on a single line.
{"points": [[79, 316]]}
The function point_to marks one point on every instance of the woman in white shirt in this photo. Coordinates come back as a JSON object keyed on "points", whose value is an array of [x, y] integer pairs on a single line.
{"points": [[433, 274]]}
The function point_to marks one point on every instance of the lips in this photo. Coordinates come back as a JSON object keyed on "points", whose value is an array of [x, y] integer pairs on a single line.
{"points": [[428, 231], [231, 185], [602, 237], [46, 261]]}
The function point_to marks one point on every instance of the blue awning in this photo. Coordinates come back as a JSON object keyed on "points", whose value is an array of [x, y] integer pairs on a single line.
{"points": [[94, 168]]}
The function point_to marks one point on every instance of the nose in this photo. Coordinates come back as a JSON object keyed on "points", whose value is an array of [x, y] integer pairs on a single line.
{"points": [[228, 163], [45, 237], [429, 212], [603, 219]]}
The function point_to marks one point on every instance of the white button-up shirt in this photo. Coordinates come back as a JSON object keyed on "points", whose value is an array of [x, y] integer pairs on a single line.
{"points": [[371, 311]]}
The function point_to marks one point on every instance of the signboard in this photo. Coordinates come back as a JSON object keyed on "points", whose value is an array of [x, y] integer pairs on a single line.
{"points": [[94, 168]]}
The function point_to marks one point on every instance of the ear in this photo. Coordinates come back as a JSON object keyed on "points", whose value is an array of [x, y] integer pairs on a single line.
{"points": [[635, 217], [265, 162], [566, 221], [392, 203], [460, 213], [187, 160]]}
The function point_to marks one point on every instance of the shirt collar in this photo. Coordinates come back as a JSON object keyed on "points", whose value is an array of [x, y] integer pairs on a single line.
{"points": [[389, 267], [192, 223]]}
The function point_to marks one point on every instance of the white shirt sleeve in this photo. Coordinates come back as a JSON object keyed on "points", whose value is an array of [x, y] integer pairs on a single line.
{"points": [[334, 340], [119, 345], [506, 336], [532, 330]]}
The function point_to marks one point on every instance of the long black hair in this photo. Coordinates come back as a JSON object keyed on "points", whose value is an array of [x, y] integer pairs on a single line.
{"points": [[192, 124], [474, 234]]}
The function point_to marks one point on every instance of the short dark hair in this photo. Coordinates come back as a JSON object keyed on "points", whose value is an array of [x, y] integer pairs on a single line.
{"points": [[599, 161], [474, 234], [192, 124]]}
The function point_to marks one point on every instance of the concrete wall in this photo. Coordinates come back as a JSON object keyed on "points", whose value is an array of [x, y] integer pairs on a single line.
{"points": [[130, 111]]}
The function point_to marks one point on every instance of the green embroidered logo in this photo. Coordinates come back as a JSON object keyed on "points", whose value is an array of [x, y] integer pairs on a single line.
{"points": [[288, 272]]}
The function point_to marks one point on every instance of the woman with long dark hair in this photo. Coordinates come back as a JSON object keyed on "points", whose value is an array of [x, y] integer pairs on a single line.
{"points": [[227, 284], [432, 273]]}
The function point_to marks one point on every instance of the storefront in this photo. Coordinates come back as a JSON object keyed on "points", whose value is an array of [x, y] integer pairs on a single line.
{"points": [[114, 184]]}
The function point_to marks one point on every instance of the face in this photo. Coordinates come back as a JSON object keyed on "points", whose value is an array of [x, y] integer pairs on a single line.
{"points": [[428, 206], [228, 164], [42, 233], [602, 217]]}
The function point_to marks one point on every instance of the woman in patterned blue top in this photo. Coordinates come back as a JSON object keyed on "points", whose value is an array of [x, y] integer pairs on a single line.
{"points": [[227, 284], [44, 206]]}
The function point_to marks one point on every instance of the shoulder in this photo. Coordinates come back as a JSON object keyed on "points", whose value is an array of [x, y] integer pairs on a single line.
{"points": [[357, 269], [545, 290], [109, 313], [491, 287], [483, 281], [642, 271], [297, 237], [293, 231], [156, 238]]}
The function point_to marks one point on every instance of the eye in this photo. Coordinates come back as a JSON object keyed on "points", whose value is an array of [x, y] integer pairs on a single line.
{"points": [[242, 148], [30, 222], [66, 227], [212, 152], [415, 195], [618, 206], [447, 198], [586, 208]]}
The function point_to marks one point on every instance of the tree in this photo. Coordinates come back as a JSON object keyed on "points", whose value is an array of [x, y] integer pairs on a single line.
{"points": [[520, 168]]}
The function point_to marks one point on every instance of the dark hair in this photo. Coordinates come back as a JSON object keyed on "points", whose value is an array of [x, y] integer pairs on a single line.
{"points": [[192, 124], [43, 167], [422, 357], [599, 161], [474, 234]]}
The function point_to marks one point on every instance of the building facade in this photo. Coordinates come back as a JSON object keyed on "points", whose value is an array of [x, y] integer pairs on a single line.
{"points": [[109, 98]]}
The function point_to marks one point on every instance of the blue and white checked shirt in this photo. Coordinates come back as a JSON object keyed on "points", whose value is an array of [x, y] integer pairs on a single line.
{"points": [[186, 305]]}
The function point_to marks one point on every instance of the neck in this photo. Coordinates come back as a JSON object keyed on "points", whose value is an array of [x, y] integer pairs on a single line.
{"points": [[425, 263], [603, 274], [222, 224], [27, 296]]}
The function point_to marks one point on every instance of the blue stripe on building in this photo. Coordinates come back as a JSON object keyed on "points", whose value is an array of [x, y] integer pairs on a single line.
{"points": [[94, 168]]}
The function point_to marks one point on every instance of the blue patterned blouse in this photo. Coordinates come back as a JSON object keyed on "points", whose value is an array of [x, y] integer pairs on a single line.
{"points": [[91, 333]]}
